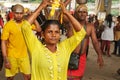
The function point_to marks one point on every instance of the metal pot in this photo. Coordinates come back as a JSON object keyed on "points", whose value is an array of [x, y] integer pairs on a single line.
{"points": [[56, 15], [81, 1]]}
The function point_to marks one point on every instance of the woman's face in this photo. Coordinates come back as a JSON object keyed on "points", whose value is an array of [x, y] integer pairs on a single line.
{"points": [[52, 34]]}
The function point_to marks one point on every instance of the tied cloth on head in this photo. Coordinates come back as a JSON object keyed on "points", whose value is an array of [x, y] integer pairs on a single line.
{"points": [[55, 5], [81, 7], [18, 8]]}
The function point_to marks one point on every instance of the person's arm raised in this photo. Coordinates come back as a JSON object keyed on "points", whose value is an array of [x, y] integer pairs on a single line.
{"points": [[30, 39], [33, 16], [37, 26], [76, 25], [66, 2]]}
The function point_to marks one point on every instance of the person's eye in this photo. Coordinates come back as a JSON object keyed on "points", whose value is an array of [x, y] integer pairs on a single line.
{"points": [[57, 31], [84, 11], [49, 31], [79, 11]]}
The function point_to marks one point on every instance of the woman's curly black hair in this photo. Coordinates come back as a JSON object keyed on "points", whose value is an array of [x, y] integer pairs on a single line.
{"points": [[49, 22]]}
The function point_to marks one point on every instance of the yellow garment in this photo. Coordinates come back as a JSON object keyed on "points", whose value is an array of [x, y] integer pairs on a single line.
{"points": [[18, 64], [33, 27], [16, 46], [45, 64]]}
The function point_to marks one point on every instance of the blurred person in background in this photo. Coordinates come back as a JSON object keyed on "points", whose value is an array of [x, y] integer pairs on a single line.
{"points": [[1, 21], [96, 25], [107, 35], [10, 14], [1, 26], [117, 37]]}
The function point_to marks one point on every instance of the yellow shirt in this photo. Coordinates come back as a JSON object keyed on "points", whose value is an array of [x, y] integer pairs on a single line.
{"points": [[16, 45], [45, 64]]}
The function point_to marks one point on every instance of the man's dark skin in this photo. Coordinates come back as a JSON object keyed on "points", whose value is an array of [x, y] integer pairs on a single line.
{"points": [[81, 14]]}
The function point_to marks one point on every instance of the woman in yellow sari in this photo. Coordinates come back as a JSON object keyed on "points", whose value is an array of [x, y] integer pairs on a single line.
{"points": [[50, 60]]}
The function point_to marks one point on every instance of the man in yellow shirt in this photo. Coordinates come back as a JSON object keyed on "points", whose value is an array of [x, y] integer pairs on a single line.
{"points": [[14, 49]]}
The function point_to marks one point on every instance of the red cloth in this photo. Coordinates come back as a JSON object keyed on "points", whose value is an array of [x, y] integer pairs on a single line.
{"points": [[82, 65], [11, 15], [1, 23]]}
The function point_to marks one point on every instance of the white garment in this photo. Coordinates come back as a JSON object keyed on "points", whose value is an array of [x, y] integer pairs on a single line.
{"points": [[108, 33]]}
